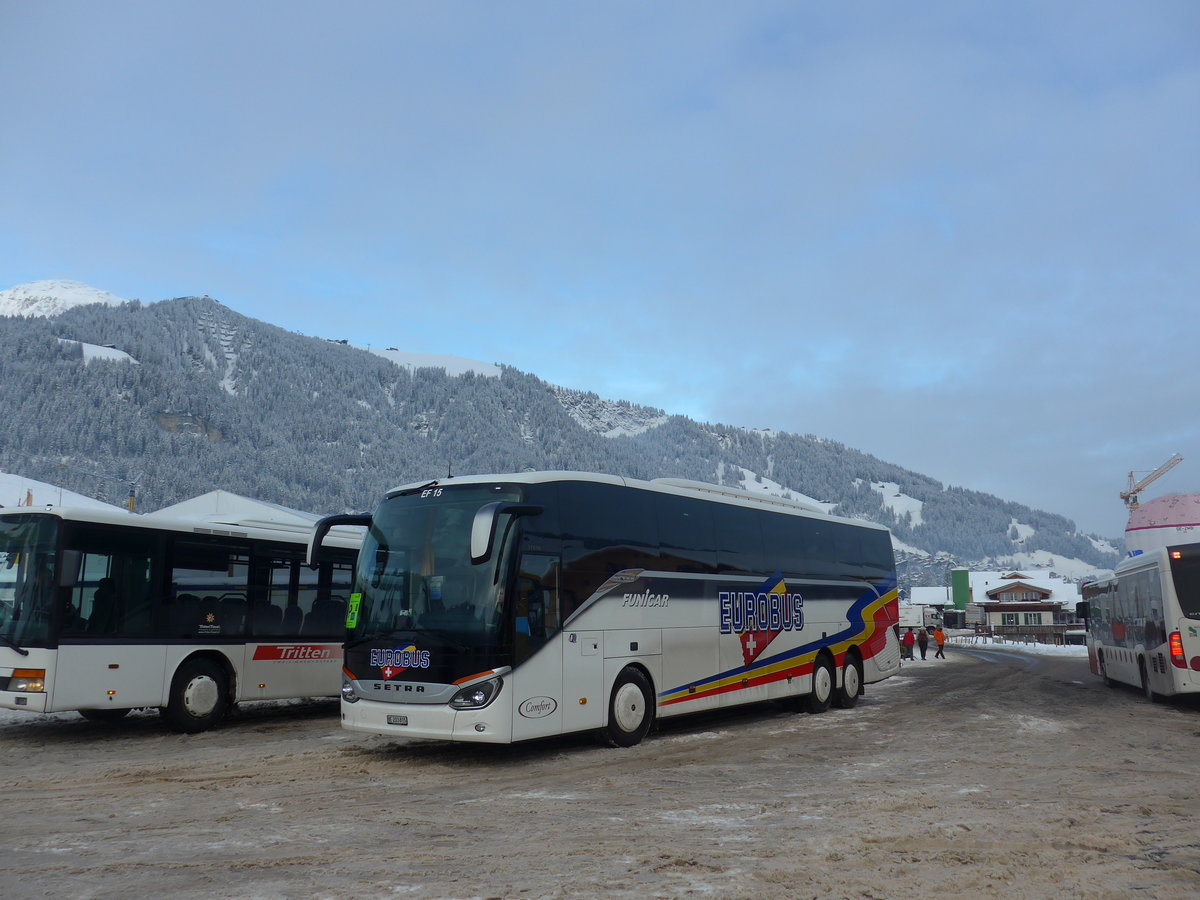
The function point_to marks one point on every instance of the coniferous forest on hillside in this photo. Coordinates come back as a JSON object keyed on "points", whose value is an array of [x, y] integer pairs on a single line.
{"points": [[213, 399]]}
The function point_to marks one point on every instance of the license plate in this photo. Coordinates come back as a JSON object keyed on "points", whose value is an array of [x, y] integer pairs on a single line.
{"points": [[397, 720]]}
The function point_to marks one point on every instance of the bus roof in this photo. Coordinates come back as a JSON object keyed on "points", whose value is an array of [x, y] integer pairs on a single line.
{"points": [[678, 486], [217, 512]]}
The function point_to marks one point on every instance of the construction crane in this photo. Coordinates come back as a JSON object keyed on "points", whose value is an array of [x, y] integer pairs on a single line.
{"points": [[1136, 487]]}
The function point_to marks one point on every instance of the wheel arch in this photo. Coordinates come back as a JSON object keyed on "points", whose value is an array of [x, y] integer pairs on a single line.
{"points": [[213, 655], [640, 666]]}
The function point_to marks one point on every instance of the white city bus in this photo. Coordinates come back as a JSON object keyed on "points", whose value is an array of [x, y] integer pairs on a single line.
{"points": [[106, 611], [508, 607], [1143, 625]]}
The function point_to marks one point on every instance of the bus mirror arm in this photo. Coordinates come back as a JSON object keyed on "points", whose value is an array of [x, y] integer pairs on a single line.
{"points": [[483, 528], [322, 528]]}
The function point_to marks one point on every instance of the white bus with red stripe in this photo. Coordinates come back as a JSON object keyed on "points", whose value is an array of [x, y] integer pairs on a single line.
{"points": [[1143, 624], [184, 611]]}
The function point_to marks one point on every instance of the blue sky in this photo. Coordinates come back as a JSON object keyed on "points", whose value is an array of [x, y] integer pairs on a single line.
{"points": [[963, 237]]}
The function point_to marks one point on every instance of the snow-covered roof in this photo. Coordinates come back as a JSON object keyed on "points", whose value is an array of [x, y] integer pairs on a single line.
{"points": [[226, 508], [985, 583], [17, 490], [930, 596], [1019, 584]]}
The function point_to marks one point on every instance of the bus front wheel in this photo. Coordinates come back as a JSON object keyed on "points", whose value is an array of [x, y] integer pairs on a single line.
{"points": [[199, 696], [823, 681], [630, 709]]}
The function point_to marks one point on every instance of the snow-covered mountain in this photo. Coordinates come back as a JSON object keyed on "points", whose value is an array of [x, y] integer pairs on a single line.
{"points": [[185, 396], [608, 418], [50, 298]]}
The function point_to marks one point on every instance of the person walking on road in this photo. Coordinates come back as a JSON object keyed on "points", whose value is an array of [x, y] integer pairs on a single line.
{"points": [[923, 641], [906, 644], [939, 638]]}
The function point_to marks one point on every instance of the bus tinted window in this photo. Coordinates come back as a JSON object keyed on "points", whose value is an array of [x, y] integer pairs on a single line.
{"points": [[107, 572], [1186, 574], [602, 523], [299, 600], [877, 557], [688, 540], [797, 546], [208, 589], [739, 538], [595, 516]]}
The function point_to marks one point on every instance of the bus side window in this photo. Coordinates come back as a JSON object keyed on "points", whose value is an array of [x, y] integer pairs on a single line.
{"points": [[108, 589], [537, 612], [687, 537], [219, 574]]}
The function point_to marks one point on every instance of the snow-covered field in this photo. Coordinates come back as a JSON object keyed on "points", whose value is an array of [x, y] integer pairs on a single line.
{"points": [[960, 777]]}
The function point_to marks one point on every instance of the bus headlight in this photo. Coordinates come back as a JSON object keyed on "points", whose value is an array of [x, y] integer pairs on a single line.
{"points": [[348, 693], [28, 681], [477, 696]]}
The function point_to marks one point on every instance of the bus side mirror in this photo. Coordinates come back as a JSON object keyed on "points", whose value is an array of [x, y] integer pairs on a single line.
{"points": [[322, 528], [483, 527], [1082, 609]]}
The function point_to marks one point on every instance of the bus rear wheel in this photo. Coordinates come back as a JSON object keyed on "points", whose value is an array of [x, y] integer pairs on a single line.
{"points": [[1146, 689], [1111, 682], [823, 681], [199, 696], [630, 709], [846, 697]]}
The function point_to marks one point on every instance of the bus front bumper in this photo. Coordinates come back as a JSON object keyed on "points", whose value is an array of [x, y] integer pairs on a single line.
{"points": [[23, 701], [433, 721]]}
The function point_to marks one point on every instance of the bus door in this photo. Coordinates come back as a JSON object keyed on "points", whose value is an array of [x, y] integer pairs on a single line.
{"points": [[108, 656], [537, 678]]}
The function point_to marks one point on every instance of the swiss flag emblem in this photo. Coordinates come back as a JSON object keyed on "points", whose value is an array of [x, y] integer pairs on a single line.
{"points": [[755, 642]]}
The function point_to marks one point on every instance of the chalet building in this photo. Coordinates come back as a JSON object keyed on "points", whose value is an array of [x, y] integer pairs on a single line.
{"points": [[1023, 607]]}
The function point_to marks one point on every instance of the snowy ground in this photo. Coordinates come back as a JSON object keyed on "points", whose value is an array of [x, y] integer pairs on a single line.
{"points": [[1024, 647], [992, 773]]}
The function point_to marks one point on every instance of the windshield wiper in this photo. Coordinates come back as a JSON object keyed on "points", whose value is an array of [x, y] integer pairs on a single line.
{"points": [[14, 644], [413, 490]]}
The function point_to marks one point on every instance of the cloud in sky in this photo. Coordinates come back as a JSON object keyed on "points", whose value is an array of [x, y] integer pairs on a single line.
{"points": [[960, 236]]}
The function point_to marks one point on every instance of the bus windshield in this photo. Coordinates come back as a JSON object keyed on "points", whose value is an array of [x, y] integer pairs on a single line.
{"points": [[27, 544], [1186, 572], [415, 572]]}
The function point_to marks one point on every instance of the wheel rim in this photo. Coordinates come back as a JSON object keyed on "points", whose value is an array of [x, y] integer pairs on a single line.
{"points": [[629, 708], [201, 696], [823, 683], [850, 682]]}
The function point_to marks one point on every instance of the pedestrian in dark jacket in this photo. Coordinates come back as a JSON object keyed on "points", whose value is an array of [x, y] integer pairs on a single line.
{"points": [[923, 641]]}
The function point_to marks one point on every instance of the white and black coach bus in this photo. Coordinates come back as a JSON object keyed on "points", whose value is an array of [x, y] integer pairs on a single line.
{"points": [[508, 607]]}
